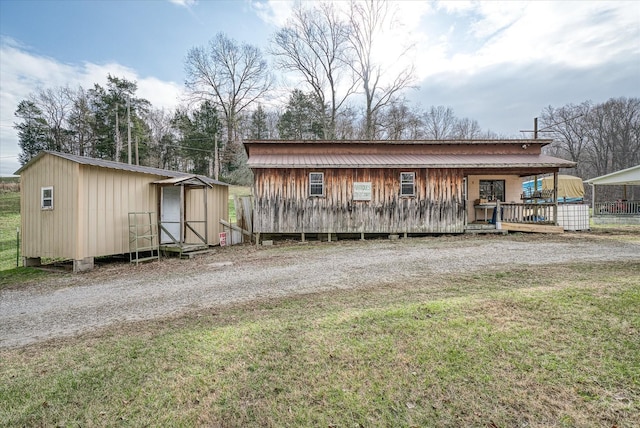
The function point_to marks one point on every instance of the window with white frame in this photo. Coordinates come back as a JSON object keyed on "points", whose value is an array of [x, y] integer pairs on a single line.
{"points": [[492, 190], [316, 184], [46, 198], [407, 184]]}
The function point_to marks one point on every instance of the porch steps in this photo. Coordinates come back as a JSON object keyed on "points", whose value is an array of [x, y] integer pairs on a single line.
{"points": [[185, 250], [193, 254], [483, 228]]}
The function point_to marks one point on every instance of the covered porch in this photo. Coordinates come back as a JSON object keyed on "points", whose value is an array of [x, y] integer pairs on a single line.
{"points": [[496, 201], [623, 210], [183, 215]]}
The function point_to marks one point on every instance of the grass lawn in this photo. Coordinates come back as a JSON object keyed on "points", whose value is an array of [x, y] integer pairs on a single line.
{"points": [[9, 222], [236, 191], [538, 346]]}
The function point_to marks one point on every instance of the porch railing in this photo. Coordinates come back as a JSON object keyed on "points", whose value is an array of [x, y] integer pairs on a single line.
{"points": [[528, 213], [617, 208]]}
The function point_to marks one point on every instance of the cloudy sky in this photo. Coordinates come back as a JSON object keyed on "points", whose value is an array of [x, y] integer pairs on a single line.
{"points": [[499, 63]]}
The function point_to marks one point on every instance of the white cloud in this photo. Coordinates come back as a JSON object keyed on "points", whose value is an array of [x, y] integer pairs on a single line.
{"points": [[273, 12], [184, 3], [571, 34], [24, 73]]}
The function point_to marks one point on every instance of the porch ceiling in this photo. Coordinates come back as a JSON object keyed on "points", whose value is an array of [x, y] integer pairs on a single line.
{"points": [[190, 180]]}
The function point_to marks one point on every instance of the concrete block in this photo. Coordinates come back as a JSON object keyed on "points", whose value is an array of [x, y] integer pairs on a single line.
{"points": [[83, 265], [31, 261]]}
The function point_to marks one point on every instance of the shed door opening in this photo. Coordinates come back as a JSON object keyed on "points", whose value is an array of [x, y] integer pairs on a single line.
{"points": [[170, 213]]}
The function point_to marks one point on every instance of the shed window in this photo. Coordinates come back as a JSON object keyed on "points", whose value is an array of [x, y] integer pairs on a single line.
{"points": [[46, 198], [492, 190], [316, 184], [407, 183]]}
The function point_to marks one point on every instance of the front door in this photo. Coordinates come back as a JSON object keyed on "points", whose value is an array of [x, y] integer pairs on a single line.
{"points": [[465, 196], [170, 214]]}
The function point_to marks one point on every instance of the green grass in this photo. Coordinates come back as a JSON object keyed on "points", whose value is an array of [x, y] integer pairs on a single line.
{"points": [[236, 191], [540, 346], [10, 275], [9, 222]]}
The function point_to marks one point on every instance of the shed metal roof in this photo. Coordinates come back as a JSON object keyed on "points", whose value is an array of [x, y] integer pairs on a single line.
{"points": [[187, 180], [329, 160], [626, 176], [84, 160]]}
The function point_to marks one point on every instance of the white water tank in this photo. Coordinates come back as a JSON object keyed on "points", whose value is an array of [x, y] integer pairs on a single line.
{"points": [[573, 216]]}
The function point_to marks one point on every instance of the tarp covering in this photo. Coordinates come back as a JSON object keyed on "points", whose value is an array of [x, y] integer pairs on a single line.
{"points": [[570, 188]]}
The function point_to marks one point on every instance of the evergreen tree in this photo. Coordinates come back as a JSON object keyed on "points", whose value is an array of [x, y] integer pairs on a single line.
{"points": [[302, 119], [33, 131], [200, 133], [259, 129], [110, 110]]}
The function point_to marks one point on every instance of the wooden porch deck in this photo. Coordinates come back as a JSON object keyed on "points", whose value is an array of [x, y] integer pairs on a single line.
{"points": [[483, 228]]}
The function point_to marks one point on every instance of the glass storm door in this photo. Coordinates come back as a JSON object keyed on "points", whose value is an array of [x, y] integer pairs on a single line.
{"points": [[170, 214]]}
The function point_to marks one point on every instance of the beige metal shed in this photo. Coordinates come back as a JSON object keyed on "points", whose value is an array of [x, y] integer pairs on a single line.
{"points": [[77, 208]]}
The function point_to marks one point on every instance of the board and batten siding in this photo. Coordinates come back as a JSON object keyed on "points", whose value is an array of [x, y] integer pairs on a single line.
{"points": [[106, 198], [217, 209], [283, 204], [49, 233]]}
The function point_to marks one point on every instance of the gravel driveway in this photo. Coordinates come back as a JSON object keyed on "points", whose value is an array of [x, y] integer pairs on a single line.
{"points": [[70, 304]]}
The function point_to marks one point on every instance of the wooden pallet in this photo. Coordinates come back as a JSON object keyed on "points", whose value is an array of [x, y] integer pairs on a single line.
{"points": [[534, 228]]}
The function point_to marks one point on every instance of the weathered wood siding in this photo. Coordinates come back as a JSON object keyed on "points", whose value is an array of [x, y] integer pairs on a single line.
{"points": [[283, 204]]}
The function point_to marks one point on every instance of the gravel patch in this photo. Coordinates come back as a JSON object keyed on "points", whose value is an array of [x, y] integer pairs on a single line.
{"points": [[70, 304]]}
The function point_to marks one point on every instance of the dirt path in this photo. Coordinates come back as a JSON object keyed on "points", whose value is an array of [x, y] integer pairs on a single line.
{"points": [[71, 304]]}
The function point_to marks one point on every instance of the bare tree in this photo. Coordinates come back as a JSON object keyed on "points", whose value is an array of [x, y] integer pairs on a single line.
{"points": [[314, 45], [398, 121], [569, 128], [466, 129], [347, 124], [162, 139], [439, 123], [81, 123], [367, 24], [601, 138], [56, 105], [624, 136], [230, 75]]}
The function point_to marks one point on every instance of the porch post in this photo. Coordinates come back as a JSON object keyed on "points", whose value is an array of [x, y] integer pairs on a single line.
{"points": [[555, 198], [183, 226], [206, 216]]}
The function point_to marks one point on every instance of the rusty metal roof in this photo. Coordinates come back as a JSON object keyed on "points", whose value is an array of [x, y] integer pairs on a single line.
{"points": [[84, 160], [329, 160], [517, 141]]}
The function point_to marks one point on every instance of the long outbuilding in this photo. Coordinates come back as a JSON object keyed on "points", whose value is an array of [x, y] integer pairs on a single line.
{"points": [[395, 187]]}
